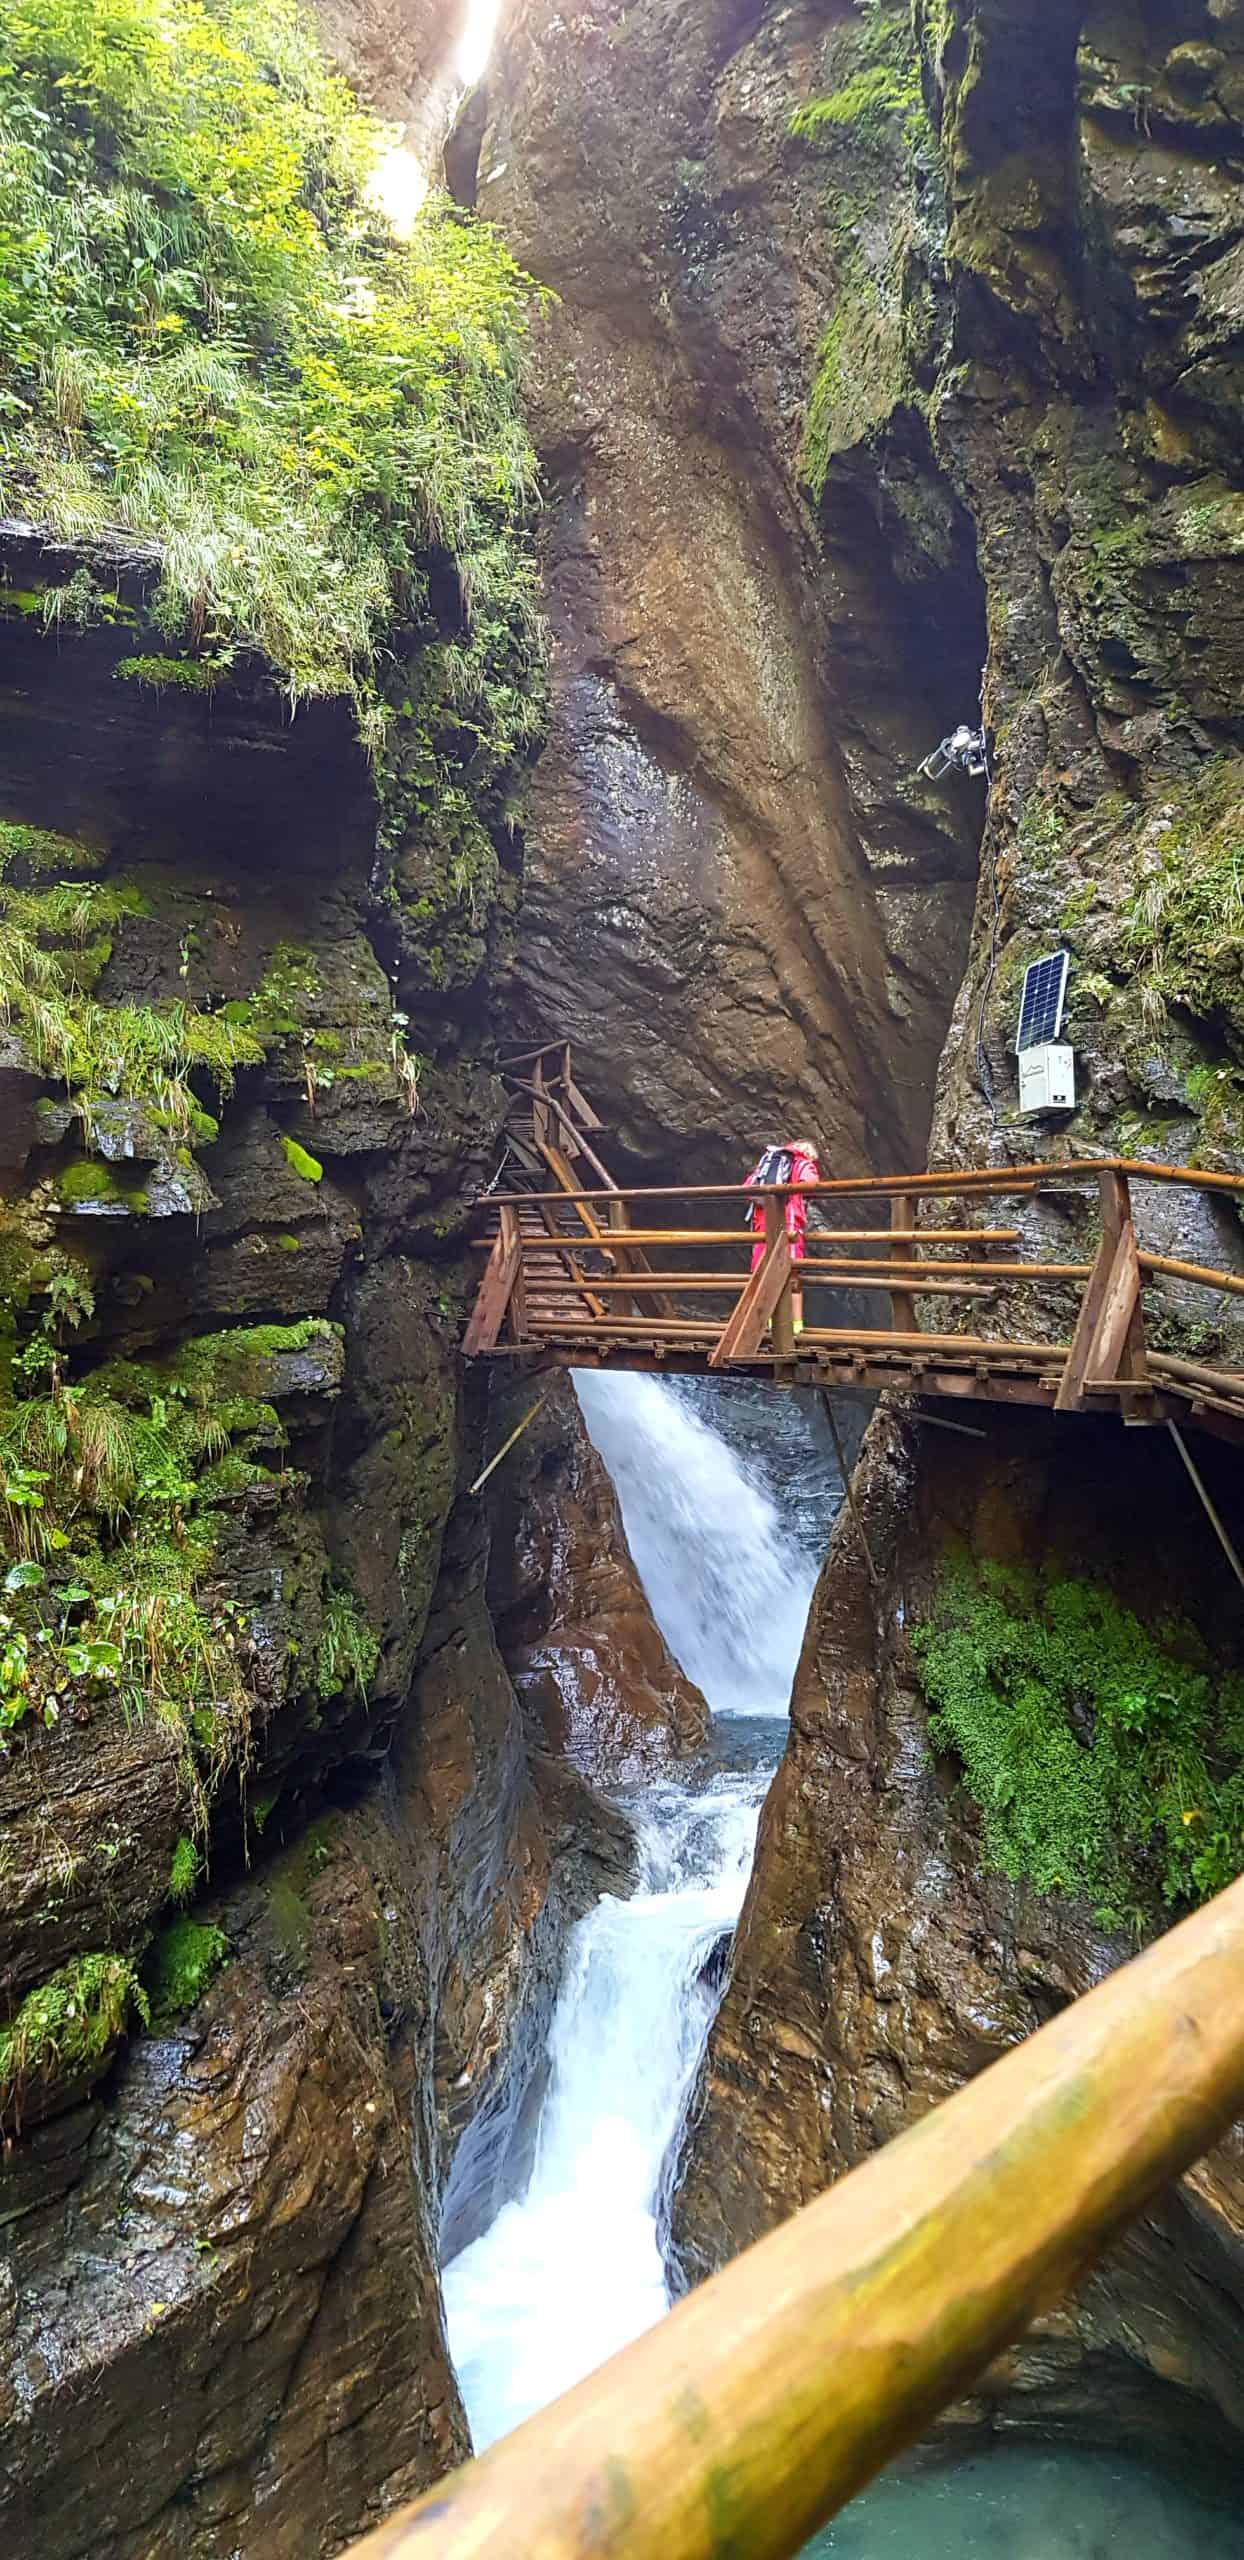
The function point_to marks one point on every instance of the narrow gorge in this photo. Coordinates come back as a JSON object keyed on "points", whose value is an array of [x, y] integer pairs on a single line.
{"points": [[496, 510]]}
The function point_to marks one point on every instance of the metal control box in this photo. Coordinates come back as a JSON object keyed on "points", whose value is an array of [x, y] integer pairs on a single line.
{"points": [[1047, 1077]]}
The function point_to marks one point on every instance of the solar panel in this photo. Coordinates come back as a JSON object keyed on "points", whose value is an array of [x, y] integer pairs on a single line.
{"points": [[1041, 1011]]}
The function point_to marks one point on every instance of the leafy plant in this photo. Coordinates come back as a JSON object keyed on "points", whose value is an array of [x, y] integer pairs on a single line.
{"points": [[215, 348], [68, 2026], [184, 1871], [181, 1963], [1107, 1757], [348, 1648], [1186, 919]]}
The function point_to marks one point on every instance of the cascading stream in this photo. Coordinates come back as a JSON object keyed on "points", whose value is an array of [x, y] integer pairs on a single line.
{"points": [[570, 2271]]}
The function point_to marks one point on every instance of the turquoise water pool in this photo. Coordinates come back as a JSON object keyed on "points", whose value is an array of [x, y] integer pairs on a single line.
{"points": [[1029, 2503]]}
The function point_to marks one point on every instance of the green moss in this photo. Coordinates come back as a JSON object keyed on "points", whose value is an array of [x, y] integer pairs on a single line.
{"points": [[161, 675], [35, 851], [288, 406], [290, 1918], [184, 1871], [306, 1166], [66, 2029], [874, 100], [348, 1648], [217, 1364], [182, 1962], [1107, 1757], [860, 372], [872, 125], [1185, 923], [90, 1182]]}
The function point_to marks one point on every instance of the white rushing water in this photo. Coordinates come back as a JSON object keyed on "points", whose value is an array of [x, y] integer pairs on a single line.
{"points": [[728, 1589], [572, 2269]]}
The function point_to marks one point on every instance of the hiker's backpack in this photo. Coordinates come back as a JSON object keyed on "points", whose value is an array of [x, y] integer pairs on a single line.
{"points": [[774, 1166]]}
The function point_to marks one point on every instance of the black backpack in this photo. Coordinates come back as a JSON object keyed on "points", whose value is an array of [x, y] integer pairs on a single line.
{"points": [[774, 1166]]}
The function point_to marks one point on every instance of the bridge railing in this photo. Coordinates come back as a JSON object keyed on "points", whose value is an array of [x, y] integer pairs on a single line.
{"points": [[768, 2398], [660, 1277]]}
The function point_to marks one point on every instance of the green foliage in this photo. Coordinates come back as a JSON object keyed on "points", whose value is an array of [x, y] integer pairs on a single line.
{"points": [[1186, 920], [178, 675], [144, 1053], [872, 123], [184, 1871], [68, 2026], [1107, 1757], [307, 1166], [881, 97], [111, 1485], [180, 1965], [213, 345], [348, 1648]]}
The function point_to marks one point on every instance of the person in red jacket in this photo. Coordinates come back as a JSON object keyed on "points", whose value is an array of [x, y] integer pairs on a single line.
{"points": [[797, 1163]]}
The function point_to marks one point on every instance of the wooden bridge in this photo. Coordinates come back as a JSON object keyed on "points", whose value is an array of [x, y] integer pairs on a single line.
{"points": [[582, 1273]]}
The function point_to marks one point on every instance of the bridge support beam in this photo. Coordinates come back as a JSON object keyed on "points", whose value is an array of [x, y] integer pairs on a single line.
{"points": [[1108, 1344], [743, 1335]]}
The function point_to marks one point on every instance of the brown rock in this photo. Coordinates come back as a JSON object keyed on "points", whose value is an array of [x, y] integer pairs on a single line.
{"points": [[233, 2308], [222, 2285], [89, 1816], [734, 903], [579, 1639], [878, 1963]]}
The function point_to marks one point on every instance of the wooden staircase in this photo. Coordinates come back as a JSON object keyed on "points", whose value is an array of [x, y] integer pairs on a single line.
{"points": [[540, 1251]]}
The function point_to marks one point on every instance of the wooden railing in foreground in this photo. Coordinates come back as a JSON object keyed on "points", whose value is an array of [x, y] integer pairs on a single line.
{"points": [[769, 2397], [626, 1278]]}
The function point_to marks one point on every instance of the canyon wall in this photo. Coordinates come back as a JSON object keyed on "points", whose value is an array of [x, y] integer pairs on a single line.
{"points": [[1075, 350], [741, 901]]}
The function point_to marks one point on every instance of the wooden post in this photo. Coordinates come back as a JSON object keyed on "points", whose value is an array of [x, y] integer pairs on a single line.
{"points": [[512, 1237], [495, 1289], [903, 1317], [745, 1330], [771, 2395], [541, 1116], [1109, 1339]]}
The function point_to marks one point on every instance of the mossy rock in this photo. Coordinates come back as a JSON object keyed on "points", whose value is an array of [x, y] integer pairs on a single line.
{"points": [[64, 2036]]}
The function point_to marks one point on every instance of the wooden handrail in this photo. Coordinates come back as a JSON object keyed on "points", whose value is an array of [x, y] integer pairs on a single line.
{"points": [[760, 2406], [526, 1305], [1201, 1272], [962, 1181]]}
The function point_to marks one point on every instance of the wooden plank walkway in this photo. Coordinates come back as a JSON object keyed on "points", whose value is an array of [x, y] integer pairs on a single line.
{"points": [[580, 1273]]}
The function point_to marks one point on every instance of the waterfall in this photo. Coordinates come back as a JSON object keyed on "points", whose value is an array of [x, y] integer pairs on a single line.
{"points": [[572, 2270], [729, 1591]]}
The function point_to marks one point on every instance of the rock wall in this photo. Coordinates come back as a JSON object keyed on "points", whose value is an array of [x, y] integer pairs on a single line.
{"points": [[286, 1881], [879, 1962], [1073, 351], [740, 899]]}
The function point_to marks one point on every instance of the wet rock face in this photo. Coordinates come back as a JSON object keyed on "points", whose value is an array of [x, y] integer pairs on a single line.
{"points": [[579, 1639], [222, 2270], [724, 909], [1077, 343], [878, 1963], [400, 56], [219, 2299], [1092, 159], [231, 2302]]}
